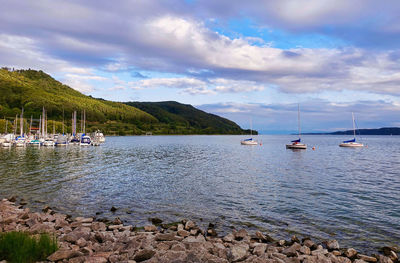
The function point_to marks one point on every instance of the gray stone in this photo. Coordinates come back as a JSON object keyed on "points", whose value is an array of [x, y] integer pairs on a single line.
{"points": [[305, 250], [260, 249], [165, 237], [332, 244], [228, 238], [183, 233], [384, 259], [150, 228], [366, 258], [144, 254], [238, 252], [64, 254], [189, 225], [292, 250], [350, 252]]}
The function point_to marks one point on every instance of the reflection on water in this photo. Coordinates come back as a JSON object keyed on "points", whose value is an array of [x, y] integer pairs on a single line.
{"points": [[347, 194]]}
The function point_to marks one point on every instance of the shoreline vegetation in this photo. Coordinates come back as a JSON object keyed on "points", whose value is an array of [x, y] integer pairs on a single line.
{"points": [[89, 240], [32, 90]]}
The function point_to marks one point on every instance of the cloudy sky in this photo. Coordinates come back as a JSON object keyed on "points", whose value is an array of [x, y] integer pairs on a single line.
{"points": [[239, 59]]}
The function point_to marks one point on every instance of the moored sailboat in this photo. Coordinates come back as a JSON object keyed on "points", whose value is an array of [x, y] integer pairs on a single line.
{"points": [[352, 142], [296, 144], [249, 141]]}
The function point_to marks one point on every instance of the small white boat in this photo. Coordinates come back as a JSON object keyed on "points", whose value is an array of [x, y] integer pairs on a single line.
{"points": [[352, 142], [35, 143], [49, 143], [99, 137], [6, 144], [62, 140], [86, 141], [20, 142], [296, 144], [249, 141]]}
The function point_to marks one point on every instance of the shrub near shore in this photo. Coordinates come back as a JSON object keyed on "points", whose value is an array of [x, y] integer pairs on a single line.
{"points": [[23, 247], [87, 240]]}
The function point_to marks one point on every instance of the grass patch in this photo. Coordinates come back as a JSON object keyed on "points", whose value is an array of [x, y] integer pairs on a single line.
{"points": [[22, 247]]}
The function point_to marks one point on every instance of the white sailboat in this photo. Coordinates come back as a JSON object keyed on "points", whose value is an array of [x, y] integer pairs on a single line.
{"points": [[296, 144], [352, 142], [249, 141]]}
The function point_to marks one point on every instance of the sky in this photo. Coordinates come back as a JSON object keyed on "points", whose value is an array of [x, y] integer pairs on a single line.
{"points": [[249, 61]]}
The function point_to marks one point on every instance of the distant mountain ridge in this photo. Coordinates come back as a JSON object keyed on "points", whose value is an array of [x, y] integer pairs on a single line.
{"points": [[32, 90], [379, 131]]}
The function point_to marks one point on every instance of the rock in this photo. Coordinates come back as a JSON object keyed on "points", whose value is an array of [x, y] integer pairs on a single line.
{"points": [[12, 198], [117, 221], [144, 254], [193, 239], [319, 252], [178, 247], [183, 233], [350, 252], [113, 209], [384, 259], [81, 242], [336, 253], [241, 234], [84, 220], [309, 243], [228, 238], [93, 259], [292, 250], [238, 252], [189, 225], [332, 244], [64, 254], [165, 237], [264, 238], [389, 252], [305, 250], [359, 261], [151, 228], [366, 258], [180, 227], [46, 209], [211, 232], [260, 249], [155, 220], [99, 226], [295, 239], [281, 242]]}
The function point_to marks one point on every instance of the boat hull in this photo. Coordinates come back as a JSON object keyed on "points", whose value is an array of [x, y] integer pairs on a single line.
{"points": [[296, 146], [351, 144], [249, 143]]}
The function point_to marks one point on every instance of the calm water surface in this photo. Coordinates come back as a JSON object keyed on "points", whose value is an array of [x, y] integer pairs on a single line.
{"points": [[352, 195]]}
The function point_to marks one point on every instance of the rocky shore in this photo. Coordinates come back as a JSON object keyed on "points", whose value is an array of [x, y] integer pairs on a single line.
{"points": [[87, 240]]}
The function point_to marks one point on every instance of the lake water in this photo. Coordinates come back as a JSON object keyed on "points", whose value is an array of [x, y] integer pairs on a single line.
{"points": [[352, 195]]}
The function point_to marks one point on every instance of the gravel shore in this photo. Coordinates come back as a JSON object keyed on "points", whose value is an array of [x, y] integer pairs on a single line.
{"points": [[87, 240]]}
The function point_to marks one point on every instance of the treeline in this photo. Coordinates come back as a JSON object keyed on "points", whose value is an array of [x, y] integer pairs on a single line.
{"points": [[32, 90]]}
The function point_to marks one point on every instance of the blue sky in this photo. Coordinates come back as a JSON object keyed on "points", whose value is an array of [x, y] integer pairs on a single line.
{"points": [[237, 59]]}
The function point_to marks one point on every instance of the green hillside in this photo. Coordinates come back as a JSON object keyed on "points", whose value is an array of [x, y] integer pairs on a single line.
{"points": [[186, 119], [33, 90]]}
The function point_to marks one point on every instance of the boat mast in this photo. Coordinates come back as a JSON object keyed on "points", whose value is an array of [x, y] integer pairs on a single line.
{"points": [[22, 123], [354, 125], [251, 127], [30, 125], [298, 119], [40, 126], [5, 131], [84, 121], [63, 123], [16, 124]]}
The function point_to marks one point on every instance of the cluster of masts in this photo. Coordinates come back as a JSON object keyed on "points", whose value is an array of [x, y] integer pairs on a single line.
{"points": [[41, 137], [298, 145]]}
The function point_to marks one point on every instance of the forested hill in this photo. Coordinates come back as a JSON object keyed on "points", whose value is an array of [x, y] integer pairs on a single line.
{"points": [[179, 116], [380, 131], [33, 90]]}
